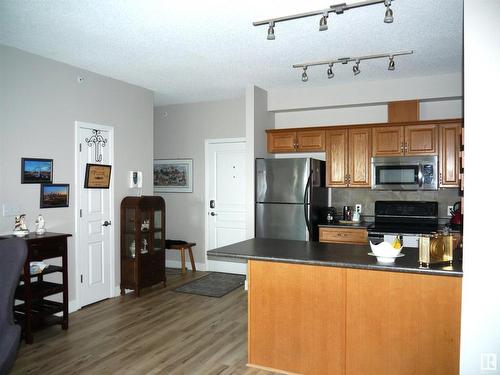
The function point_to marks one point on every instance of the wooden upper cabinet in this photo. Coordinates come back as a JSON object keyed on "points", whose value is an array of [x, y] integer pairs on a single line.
{"points": [[295, 141], [407, 140], [449, 150], [359, 169], [311, 140], [336, 157], [388, 141], [421, 140], [281, 141]]}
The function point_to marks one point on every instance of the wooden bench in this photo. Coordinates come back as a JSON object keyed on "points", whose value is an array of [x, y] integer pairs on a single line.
{"points": [[182, 247]]}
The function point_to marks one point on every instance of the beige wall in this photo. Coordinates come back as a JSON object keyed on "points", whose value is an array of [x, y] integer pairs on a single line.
{"points": [[182, 134], [40, 100]]}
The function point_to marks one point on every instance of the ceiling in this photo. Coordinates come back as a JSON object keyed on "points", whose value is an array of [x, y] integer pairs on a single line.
{"points": [[191, 51]]}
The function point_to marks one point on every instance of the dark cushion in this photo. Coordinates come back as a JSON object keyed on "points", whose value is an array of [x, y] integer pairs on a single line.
{"points": [[13, 255], [169, 243]]}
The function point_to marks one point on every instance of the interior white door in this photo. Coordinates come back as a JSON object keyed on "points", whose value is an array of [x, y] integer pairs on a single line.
{"points": [[94, 217], [225, 200]]}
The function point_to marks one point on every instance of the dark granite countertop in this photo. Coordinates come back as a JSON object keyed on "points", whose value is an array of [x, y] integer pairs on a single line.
{"points": [[330, 255]]}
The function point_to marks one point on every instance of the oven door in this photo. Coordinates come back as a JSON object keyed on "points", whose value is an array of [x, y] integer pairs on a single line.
{"points": [[396, 173]]}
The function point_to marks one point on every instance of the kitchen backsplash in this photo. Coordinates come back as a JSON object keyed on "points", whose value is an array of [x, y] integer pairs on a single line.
{"points": [[367, 197]]}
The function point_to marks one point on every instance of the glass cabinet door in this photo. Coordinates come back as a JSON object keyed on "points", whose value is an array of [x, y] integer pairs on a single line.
{"points": [[129, 242], [157, 230]]}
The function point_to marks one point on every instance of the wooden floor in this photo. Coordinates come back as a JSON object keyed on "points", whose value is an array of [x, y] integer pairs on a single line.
{"points": [[162, 332]]}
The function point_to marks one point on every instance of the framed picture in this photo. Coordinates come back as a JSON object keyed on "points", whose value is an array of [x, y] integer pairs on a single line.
{"points": [[54, 195], [173, 175], [97, 176], [36, 171]]}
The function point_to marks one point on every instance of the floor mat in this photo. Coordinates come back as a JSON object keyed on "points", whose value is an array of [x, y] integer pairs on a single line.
{"points": [[215, 284]]}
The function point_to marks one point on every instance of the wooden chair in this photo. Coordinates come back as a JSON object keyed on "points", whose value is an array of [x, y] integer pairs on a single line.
{"points": [[182, 247]]}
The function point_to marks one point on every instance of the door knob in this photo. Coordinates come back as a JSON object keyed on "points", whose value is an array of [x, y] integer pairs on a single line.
{"points": [[106, 223], [213, 214]]}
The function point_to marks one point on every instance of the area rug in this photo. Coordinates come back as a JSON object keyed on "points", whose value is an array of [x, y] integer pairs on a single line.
{"points": [[215, 284]]}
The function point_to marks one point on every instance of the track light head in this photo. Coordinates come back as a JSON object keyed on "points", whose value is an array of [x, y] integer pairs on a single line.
{"points": [[329, 72], [304, 75], [323, 22], [355, 68], [389, 15], [270, 31], [392, 65]]}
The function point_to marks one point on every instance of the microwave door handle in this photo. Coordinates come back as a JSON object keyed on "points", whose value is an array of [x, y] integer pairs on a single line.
{"points": [[420, 176]]}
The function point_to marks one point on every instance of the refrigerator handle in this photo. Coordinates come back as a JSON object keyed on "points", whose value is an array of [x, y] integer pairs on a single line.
{"points": [[306, 216]]}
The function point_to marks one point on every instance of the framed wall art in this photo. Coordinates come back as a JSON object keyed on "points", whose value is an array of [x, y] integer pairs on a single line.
{"points": [[97, 176], [54, 195], [36, 171], [173, 175]]}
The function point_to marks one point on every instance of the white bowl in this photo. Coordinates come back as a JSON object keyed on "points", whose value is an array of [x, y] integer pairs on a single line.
{"points": [[385, 249]]}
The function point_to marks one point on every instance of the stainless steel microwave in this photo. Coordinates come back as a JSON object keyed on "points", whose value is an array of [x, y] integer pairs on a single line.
{"points": [[405, 173]]}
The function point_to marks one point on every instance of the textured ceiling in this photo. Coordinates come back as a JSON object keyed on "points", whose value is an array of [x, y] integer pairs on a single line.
{"points": [[189, 51]]}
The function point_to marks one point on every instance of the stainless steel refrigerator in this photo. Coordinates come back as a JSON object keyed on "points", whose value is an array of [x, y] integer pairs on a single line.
{"points": [[289, 198]]}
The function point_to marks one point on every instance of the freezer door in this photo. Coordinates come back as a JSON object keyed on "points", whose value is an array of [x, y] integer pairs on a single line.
{"points": [[284, 221], [281, 180]]}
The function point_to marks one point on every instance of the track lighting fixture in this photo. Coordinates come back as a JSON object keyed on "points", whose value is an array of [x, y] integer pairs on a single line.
{"points": [[304, 75], [323, 22], [392, 65], [270, 31], [346, 60], [389, 16], [329, 71], [355, 68]]}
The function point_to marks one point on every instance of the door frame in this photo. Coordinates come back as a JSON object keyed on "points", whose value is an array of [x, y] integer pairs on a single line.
{"points": [[77, 199], [206, 202]]}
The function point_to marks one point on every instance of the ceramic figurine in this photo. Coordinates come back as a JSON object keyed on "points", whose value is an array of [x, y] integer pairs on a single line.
{"points": [[20, 228], [40, 225]]}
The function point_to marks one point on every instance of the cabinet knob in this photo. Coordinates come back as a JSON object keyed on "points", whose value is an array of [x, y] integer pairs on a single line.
{"points": [[406, 146], [401, 148]]}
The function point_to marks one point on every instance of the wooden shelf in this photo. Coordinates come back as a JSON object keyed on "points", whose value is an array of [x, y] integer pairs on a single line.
{"points": [[39, 289], [46, 271]]}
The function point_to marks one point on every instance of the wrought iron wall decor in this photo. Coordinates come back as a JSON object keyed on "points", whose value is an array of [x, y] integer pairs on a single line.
{"points": [[97, 141]]}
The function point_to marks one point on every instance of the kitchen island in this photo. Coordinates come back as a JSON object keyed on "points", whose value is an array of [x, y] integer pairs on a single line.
{"points": [[317, 308]]}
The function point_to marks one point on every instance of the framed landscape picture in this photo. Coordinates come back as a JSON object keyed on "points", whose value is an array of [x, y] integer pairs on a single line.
{"points": [[173, 175], [97, 176], [54, 195], [36, 171]]}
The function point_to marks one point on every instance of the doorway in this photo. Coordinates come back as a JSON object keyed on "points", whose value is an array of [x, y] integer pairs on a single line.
{"points": [[225, 209], [95, 254]]}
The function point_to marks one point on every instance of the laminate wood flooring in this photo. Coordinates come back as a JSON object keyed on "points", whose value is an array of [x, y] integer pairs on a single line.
{"points": [[162, 332]]}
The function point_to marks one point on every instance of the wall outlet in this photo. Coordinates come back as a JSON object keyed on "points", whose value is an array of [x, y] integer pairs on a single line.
{"points": [[358, 208], [450, 210]]}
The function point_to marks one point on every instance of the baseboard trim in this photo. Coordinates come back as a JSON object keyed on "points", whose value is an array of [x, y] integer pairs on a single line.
{"points": [[177, 264]]}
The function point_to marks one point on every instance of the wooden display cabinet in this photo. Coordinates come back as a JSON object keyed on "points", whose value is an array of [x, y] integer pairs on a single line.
{"points": [[142, 242]]}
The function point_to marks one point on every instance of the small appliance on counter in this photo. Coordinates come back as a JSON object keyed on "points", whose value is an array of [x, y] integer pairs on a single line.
{"points": [[347, 213], [435, 248], [331, 214], [456, 216]]}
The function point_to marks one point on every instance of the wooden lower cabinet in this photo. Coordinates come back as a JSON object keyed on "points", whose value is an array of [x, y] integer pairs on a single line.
{"points": [[343, 235], [305, 319], [296, 318], [402, 324]]}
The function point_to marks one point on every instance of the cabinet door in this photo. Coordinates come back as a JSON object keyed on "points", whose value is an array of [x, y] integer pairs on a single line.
{"points": [[388, 141], [421, 140], [311, 140], [281, 142], [336, 158], [359, 157], [449, 150]]}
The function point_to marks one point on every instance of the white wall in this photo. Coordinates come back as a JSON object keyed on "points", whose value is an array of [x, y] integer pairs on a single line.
{"points": [[40, 100], [182, 134], [365, 93], [257, 119], [480, 297]]}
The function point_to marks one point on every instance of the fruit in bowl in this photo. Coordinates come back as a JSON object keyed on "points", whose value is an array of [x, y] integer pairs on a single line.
{"points": [[385, 252]]}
